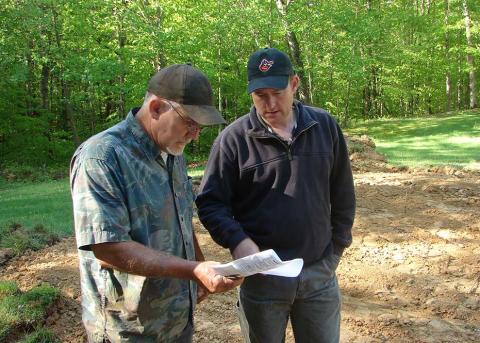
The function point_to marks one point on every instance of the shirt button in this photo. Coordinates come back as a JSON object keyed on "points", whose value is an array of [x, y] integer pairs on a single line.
{"points": [[181, 219]]}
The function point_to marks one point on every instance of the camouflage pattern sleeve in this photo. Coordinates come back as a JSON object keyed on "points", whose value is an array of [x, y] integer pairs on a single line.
{"points": [[99, 207]]}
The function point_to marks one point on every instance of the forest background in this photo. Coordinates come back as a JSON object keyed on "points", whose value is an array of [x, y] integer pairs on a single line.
{"points": [[69, 69]]}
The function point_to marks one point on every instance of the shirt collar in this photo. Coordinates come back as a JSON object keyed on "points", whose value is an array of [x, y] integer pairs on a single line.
{"points": [[147, 143], [269, 128], [303, 120]]}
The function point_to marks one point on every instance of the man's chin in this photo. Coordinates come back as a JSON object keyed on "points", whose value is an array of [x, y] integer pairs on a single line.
{"points": [[175, 151]]}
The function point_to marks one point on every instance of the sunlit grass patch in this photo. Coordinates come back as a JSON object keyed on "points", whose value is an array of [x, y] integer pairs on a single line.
{"points": [[444, 140], [47, 203], [196, 172]]}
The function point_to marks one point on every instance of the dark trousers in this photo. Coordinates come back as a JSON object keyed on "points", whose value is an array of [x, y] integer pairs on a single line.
{"points": [[311, 301]]}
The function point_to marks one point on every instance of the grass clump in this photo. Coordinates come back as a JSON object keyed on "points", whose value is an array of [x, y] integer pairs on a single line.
{"points": [[40, 335], [8, 288], [21, 239], [23, 311]]}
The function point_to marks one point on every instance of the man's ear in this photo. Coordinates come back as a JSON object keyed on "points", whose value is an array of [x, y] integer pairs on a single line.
{"points": [[158, 106], [295, 82]]}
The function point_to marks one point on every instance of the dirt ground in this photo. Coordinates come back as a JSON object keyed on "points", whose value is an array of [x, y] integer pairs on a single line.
{"points": [[412, 273]]}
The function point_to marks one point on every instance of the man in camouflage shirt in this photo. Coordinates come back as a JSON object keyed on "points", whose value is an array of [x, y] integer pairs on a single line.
{"points": [[140, 262]]}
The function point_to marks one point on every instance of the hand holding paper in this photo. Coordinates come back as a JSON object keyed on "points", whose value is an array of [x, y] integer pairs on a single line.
{"points": [[265, 262]]}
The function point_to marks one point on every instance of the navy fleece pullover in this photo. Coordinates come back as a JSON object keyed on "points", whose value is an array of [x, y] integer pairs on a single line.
{"points": [[294, 198]]}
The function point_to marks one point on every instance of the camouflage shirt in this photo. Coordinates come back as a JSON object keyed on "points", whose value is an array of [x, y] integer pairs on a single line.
{"points": [[122, 191]]}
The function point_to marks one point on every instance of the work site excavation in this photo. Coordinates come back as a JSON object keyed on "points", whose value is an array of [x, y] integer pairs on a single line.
{"points": [[412, 273]]}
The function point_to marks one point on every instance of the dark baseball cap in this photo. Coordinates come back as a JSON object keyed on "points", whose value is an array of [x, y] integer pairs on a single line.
{"points": [[268, 68], [189, 87]]}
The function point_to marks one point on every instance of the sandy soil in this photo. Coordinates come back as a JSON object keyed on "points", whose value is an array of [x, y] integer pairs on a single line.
{"points": [[411, 275]]}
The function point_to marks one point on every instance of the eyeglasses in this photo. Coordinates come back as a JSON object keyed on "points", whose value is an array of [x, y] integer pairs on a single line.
{"points": [[191, 125]]}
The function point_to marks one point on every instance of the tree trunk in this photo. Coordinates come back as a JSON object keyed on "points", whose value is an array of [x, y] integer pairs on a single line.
{"points": [[366, 101], [310, 86], [44, 86], [122, 41], [346, 114], [294, 46], [470, 59], [448, 80], [375, 90], [67, 110], [29, 84], [220, 101], [154, 22], [459, 94], [253, 31]]}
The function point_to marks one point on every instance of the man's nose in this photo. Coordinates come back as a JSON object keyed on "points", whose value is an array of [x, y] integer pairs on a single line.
{"points": [[270, 102]]}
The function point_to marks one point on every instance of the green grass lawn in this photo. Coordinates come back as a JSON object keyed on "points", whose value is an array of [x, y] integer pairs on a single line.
{"points": [[28, 204], [46, 203], [443, 140], [196, 172]]}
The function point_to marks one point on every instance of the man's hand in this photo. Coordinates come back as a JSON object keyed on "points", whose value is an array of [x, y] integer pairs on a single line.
{"points": [[202, 293], [338, 250], [135, 258], [245, 248], [205, 276]]}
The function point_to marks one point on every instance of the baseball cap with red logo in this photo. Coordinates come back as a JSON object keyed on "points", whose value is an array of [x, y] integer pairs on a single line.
{"points": [[268, 68]]}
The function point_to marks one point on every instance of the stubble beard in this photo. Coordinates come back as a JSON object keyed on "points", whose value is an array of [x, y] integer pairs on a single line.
{"points": [[176, 151]]}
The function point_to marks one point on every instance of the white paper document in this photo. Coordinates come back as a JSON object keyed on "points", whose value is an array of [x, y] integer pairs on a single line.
{"points": [[265, 262]]}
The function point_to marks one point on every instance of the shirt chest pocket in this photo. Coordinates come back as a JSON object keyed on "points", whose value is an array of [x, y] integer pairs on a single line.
{"points": [[172, 202], [185, 198]]}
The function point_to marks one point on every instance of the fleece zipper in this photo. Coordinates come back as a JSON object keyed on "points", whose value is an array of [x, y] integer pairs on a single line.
{"points": [[288, 147]]}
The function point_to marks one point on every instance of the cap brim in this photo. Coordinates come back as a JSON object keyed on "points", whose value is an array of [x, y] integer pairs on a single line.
{"points": [[275, 82], [204, 114]]}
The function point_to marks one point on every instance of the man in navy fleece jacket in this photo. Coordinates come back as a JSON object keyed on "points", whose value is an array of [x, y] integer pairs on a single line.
{"points": [[280, 178]]}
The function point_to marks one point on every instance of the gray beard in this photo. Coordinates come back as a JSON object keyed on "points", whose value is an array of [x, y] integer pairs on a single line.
{"points": [[175, 152]]}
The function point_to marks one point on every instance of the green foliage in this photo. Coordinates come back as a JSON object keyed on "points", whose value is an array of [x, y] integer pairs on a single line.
{"points": [[451, 139], [20, 239], [70, 69], [24, 311]]}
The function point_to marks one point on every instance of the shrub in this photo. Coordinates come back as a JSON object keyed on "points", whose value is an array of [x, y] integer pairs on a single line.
{"points": [[20, 239]]}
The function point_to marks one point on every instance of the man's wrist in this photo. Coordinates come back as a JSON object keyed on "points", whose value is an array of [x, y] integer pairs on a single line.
{"points": [[245, 248], [338, 250]]}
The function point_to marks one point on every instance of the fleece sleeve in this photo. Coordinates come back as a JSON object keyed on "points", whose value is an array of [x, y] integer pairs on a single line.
{"points": [[215, 197], [342, 194]]}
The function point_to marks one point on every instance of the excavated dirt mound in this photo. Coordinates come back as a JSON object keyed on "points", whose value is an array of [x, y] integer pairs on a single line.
{"points": [[412, 273]]}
